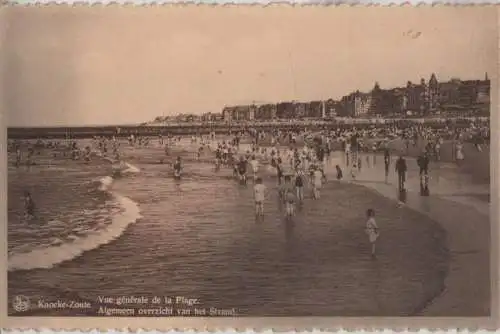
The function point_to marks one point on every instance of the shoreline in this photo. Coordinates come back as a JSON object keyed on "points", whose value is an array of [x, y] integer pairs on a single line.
{"points": [[421, 306], [391, 295], [467, 250]]}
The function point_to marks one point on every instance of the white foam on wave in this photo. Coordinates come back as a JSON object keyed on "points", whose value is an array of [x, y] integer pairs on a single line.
{"points": [[131, 169], [58, 252], [106, 183]]}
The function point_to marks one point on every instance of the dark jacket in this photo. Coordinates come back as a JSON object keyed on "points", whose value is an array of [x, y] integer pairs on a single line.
{"points": [[401, 165], [423, 161]]}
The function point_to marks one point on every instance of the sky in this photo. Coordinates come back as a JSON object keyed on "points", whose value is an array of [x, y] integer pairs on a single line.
{"points": [[125, 65]]}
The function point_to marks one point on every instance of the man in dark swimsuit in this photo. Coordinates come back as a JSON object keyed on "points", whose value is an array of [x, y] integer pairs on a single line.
{"points": [[242, 170]]}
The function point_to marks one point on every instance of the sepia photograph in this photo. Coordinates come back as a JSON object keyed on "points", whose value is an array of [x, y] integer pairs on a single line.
{"points": [[232, 162]]}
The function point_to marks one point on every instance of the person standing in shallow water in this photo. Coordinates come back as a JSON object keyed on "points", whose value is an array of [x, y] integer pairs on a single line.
{"points": [[317, 178], [299, 186], [177, 168], [242, 170], [18, 156], [288, 197], [372, 231], [259, 195], [29, 206]]}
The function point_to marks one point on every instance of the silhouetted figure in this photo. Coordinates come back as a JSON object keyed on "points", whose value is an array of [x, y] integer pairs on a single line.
{"points": [[387, 163], [29, 206], [401, 169], [423, 164], [339, 172], [177, 168]]}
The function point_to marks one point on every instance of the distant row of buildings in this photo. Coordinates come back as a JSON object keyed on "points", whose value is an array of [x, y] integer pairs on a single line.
{"points": [[189, 118], [424, 98]]}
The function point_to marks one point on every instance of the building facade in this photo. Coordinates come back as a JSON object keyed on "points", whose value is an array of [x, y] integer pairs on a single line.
{"points": [[424, 98]]}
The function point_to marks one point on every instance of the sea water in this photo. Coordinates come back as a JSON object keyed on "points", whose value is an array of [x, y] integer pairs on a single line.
{"points": [[144, 233]]}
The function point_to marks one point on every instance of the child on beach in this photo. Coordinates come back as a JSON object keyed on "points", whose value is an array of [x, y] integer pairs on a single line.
{"points": [[372, 230], [87, 154], [259, 191], [29, 206], [339, 172]]}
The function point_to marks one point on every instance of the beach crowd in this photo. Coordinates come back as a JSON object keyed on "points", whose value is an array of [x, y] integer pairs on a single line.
{"points": [[296, 158]]}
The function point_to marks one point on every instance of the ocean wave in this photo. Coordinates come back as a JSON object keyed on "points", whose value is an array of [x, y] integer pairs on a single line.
{"points": [[74, 245], [130, 169]]}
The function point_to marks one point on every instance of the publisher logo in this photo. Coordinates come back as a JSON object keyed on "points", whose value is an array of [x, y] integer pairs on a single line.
{"points": [[21, 303]]}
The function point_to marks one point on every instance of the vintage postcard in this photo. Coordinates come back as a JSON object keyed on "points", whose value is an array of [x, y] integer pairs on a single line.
{"points": [[249, 167]]}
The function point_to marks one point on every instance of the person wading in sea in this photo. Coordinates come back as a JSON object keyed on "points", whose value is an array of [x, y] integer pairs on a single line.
{"points": [[29, 206], [299, 186], [259, 196], [177, 168]]}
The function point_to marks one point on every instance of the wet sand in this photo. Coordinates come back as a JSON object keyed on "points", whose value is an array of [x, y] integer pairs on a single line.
{"points": [[467, 290]]}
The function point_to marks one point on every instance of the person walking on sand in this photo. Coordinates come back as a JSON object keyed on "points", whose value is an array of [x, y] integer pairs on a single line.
{"points": [[401, 169], [423, 164], [372, 231], [259, 191]]}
